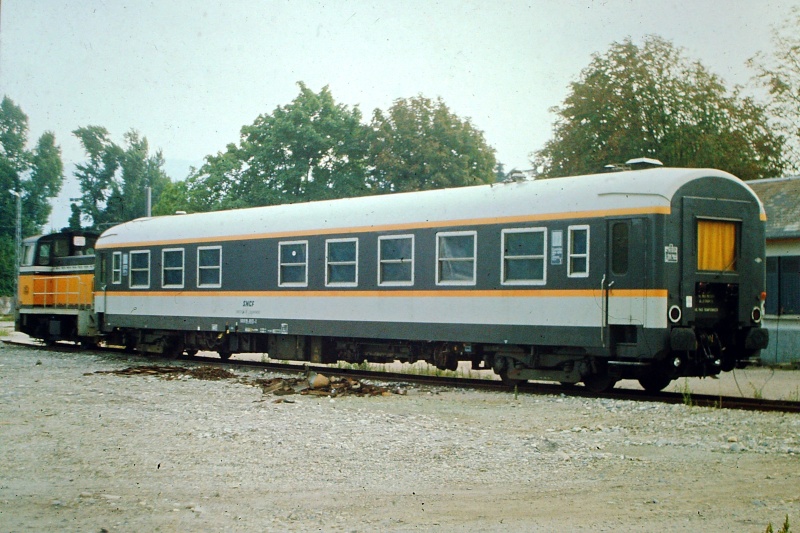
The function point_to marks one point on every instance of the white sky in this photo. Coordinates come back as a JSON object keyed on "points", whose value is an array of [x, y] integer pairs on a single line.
{"points": [[188, 75]]}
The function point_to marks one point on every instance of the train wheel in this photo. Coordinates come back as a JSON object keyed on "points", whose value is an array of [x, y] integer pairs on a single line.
{"points": [[224, 355], [191, 352], [88, 343], [654, 382], [599, 382], [509, 382]]}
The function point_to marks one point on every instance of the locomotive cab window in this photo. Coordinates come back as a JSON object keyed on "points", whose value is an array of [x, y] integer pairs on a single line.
{"points": [[341, 260], [455, 257], [43, 257], [172, 268], [716, 245], [140, 270], [28, 253], [60, 248], [578, 252], [396, 260], [293, 264], [524, 252], [209, 266]]}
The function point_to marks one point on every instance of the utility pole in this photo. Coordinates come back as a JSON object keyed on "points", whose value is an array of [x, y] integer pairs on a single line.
{"points": [[17, 246]]}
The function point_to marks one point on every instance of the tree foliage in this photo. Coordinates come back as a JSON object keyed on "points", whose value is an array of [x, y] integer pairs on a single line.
{"points": [[779, 72], [420, 144], [114, 178], [316, 149], [310, 149], [35, 173], [650, 101]]}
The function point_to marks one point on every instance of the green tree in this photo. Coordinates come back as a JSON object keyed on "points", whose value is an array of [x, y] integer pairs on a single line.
{"points": [[140, 170], [96, 176], [651, 101], [113, 180], [174, 198], [74, 222], [37, 174], [311, 149], [420, 144], [779, 72]]}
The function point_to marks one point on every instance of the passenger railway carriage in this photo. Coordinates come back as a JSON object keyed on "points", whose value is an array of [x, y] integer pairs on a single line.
{"points": [[649, 274]]}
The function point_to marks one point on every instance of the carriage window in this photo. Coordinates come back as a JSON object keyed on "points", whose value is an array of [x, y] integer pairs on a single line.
{"points": [[455, 255], [620, 237], [209, 266], [293, 264], [140, 270], [578, 252], [396, 260], [116, 267], [341, 258], [524, 256], [172, 268], [716, 245]]}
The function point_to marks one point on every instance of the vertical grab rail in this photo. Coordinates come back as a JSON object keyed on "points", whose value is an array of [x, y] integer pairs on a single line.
{"points": [[605, 291]]}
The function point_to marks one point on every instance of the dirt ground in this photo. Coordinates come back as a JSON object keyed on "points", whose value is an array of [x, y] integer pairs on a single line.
{"points": [[86, 449]]}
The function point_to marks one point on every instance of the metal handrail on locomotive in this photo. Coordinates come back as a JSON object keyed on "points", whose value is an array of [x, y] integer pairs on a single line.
{"points": [[650, 274]]}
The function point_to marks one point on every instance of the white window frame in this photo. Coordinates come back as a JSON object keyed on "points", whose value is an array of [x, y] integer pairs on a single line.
{"points": [[216, 267], [329, 263], [132, 270], [164, 269], [303, 283], [411, 260], [505, 257], [116, 273], [570, 255], [474, 259]]}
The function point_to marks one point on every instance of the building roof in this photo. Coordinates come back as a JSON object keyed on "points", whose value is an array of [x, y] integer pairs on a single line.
{"points": [[781, 199]]}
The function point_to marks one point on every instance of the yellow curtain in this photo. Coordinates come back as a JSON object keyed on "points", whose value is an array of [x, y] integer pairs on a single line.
{"points": [[716, 245]]}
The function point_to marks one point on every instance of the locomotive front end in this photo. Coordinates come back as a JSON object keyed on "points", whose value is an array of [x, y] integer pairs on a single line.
{"points": [[56, 287]]}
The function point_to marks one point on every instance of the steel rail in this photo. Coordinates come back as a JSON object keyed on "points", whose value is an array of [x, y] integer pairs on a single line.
{"points": [[532, 388]]}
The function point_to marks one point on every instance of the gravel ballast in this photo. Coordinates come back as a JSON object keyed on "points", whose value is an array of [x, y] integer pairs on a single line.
{"points": [[83, 449]]}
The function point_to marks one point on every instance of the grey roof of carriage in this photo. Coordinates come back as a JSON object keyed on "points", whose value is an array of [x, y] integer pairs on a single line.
{"points": [[781, 199], [642, 189]]}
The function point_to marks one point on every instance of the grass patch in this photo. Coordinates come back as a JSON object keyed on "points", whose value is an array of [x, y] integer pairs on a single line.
{"points": [[783, 529], [794, 396], [686, 393], [758, 392]]}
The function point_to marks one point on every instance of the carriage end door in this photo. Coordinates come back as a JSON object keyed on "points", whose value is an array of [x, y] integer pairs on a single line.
{"points": [[626, 272]]}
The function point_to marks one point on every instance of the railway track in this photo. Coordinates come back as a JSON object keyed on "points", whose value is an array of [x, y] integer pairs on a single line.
{"points": [[540, 388]]}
